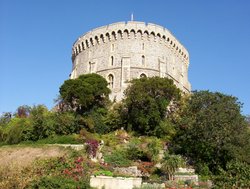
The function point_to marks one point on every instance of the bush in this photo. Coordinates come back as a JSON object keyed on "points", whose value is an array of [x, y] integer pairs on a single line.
{"points": [[17, 130], [65, 123], [52, 182], [42, 122], [92, 147], [103, 173], [117, 158], [153, 148], [134, 152], [64, 139]]}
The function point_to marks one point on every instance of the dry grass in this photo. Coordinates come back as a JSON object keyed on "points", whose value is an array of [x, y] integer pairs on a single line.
{"points": [[16, 169], [24, 156]]}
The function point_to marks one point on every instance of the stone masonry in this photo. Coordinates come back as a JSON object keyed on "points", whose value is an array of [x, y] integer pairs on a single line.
{"points": [[122, 51]]}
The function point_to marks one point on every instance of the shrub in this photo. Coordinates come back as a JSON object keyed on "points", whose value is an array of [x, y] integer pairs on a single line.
{"points": [[135, 152], [153, 148], [92, 147], [65, 123], [117, 158], [17, 130], [64, 139], [103, 173], [42, 122], [13, 176], [52, 182]]}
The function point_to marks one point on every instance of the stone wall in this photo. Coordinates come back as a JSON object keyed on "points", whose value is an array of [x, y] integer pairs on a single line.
{"points": [[123, 51], [192, 178], [114, 182]]}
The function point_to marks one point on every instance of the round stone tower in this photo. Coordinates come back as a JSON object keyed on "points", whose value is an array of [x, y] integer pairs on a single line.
{"points": [[122, 51]]}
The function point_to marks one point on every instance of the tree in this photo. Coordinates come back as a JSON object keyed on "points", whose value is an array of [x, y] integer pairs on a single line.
{"points": [[23, 111], [212, 130], [85, 92], [5, 118], [248, 120], [171, 163], [236, 175], [146, 104], [42, 125]]}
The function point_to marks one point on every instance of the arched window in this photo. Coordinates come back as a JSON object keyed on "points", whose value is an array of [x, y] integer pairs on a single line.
{"points": [[111, 61], [111, 81], [143, 60], [143, 75]]}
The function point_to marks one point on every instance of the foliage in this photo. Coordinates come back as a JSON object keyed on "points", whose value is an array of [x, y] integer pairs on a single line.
{"points": [[42, 126], [64, 123], [212, 131], [236, 175], [14, 176], [149, 186], [147, 169], [73, 171], [117, 158], [94, 121], [52, 182], [144, 149], [146, 102], [85, 92], [153, 148], [171, 163], [39, 123], [5, 118], [23, 111], [17, 130], [63, 139], [92, 147], [135, 152], [113, 118], [111, 139], [103, 173]]}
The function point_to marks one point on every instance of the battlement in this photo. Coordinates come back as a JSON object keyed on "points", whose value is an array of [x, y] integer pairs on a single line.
{"points": [[129, 30]]}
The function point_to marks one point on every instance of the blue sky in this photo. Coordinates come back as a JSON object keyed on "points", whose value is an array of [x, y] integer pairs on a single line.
{"points": [[36, 38]]}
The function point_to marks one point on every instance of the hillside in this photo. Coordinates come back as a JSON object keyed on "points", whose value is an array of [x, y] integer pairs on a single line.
{"points": [[24, 156]]}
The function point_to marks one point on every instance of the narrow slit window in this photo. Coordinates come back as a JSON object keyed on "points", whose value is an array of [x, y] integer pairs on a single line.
{"points": [[143, 60], [112, 61], [90, 67]]}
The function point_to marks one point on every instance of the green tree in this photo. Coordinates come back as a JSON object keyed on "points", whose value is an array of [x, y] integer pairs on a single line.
{"points": [[43, 126], [5, 118], [212, 130], [236, 175], [85, 92], [170, 163], [248, 120], [147, 103]]}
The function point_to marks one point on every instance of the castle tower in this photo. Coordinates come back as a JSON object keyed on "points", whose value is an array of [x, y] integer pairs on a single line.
{"points": [[122, 51]]}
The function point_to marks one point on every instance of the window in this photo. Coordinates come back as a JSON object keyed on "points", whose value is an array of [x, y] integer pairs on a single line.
{"points": [[111, 61], [111, 81], [143, 60], [143, 75], [90, 67]]}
